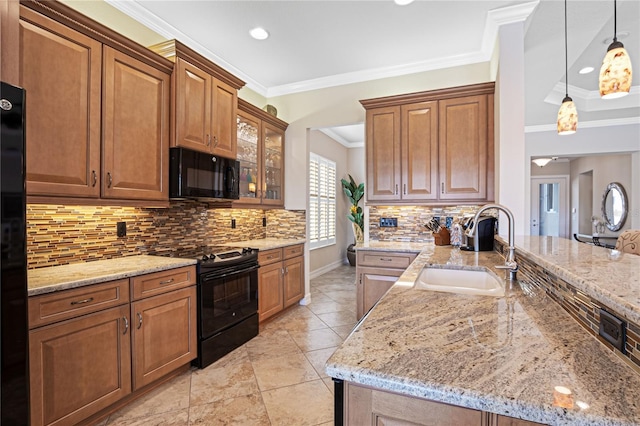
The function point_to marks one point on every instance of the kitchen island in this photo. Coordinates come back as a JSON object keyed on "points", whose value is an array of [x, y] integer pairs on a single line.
{"points": [[520, 355]]}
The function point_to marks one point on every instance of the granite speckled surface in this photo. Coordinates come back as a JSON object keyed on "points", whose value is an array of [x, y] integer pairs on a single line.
{"points": [[266, 243], [504, 355], [407, 247], [64, 277]]}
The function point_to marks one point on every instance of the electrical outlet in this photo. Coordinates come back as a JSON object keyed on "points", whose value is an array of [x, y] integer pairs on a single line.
{"points": [[121, 229], [388, 222], [233, 224], [612, 329]]}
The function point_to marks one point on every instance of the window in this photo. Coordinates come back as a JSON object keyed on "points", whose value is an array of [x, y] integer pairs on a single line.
{"points": [[322, 201]]}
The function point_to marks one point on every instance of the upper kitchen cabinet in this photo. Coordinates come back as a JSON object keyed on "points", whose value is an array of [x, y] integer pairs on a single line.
{"points": [[99, 104], [205, 102], [261, 155], [431, 147]]}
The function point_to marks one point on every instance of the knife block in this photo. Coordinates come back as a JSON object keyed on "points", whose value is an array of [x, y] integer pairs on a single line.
{"points": [[442, 237]]}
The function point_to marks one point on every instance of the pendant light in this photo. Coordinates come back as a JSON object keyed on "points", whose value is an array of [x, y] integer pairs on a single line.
{"points": [[615, 73], [567, 115]]}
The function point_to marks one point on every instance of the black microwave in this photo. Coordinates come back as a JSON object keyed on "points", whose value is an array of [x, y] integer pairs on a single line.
{"points": [[199, 175]]}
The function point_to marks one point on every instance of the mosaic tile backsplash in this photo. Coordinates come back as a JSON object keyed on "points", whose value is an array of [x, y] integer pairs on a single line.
{"points": [[411, 220], [58, 235]]}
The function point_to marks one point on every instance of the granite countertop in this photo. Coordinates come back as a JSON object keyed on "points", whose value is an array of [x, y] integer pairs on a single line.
{"points": [[397, 246], [56, 278], [267, 243], [504, 355]]}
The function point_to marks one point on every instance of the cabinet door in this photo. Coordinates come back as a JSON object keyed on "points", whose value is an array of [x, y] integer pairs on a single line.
{"points": [[419, 151], [373, 283], [250, 158], [273, 171], [383, 154], [463, 148], [192, 107], [270, 294], [224, 112], [60, 70], [79, 366], [293, 280], [163, 334], [136, 129]]}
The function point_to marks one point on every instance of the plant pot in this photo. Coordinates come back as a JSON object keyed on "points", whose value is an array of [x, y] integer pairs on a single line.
{"points": [[351, 254]]}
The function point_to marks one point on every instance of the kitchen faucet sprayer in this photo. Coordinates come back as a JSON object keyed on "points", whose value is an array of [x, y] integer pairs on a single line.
{"points": [[510, 260]]}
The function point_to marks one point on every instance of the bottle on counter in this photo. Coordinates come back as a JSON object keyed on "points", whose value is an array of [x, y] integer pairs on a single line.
{"points": [[456, 233]]}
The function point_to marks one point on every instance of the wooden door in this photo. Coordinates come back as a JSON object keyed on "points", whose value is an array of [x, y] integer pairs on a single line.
{"points": [[372, 284], [192, 107], [419, 150], [463, 145], [79, 366], [383, 154], [273, 165], [136, 129], [270, 292], [61, 72], [224, 119], [164, 334], [293, 280]]}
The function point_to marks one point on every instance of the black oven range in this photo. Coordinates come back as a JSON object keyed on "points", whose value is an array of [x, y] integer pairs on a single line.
{"points": [[227, 300]]}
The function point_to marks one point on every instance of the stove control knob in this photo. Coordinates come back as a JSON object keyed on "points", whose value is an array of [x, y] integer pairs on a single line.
{"points": [[205, 257], [212, 256], [246, 250]]}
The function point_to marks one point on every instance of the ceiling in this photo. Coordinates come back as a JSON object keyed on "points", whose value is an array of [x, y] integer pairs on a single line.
{"points": [[317, 44]]}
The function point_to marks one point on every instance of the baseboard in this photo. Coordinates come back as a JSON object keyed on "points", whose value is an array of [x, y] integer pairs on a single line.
{"points": [[331, 266]]}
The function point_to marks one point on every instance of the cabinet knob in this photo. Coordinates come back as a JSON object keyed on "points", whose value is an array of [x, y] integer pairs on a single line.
{"points": [[126, 325]]}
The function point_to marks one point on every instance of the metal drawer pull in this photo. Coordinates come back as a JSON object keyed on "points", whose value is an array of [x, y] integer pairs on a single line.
{"points": [[126, 325], [396, 189], [208, 140], [139, 320], [94, 178], [215, 141], [382, 259], [83, 301], [169, 281], [442, 187], [109, 180], [405, 188]]}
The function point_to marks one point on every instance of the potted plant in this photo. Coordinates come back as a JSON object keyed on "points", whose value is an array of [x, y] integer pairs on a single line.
{"points": [[354, 192]]}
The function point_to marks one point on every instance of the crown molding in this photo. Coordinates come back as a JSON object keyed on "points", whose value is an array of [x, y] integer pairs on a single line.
{"points": [[585, 124], [590, 100], [336, 137]]}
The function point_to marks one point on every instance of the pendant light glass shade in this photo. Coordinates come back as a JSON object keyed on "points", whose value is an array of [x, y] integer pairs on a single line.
{"points": [[567, 117], [615, 73]]}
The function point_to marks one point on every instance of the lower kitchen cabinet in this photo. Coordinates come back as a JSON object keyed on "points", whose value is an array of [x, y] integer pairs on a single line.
{"points": [[280, 279], [163, 334], [79, 366], [376, 272], [388, 408]]}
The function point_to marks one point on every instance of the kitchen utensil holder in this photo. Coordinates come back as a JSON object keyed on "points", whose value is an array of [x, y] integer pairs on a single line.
{"points": [[442, 237]]}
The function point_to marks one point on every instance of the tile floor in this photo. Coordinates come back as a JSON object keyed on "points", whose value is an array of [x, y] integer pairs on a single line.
{"points": [[277, 378]]}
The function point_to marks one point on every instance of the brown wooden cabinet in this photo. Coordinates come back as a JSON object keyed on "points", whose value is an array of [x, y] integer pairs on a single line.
{"points": [[370, 406], [280, 279], [90, 347], [431, 147], [376, 272], [205, 99], [261, 154], [101, 106]]}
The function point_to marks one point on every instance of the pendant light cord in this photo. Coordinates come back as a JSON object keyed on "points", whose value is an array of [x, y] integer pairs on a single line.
{"points": [[615, 21], [566, 55]]}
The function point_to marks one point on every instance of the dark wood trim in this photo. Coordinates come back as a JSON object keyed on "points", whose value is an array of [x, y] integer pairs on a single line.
{"points": [[77, 201], [431, 95], [171, 49], [261, 114], [81, 23]]}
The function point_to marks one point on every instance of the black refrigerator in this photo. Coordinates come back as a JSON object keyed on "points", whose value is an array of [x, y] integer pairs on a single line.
{"points": [[14, 371]]}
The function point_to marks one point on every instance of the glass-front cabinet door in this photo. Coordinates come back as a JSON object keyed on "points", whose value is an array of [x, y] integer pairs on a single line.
{"points": [[249, 156], [273, 178]]}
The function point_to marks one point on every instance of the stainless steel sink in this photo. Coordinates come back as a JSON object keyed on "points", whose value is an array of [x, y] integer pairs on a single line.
{"points": [[462, 281]]}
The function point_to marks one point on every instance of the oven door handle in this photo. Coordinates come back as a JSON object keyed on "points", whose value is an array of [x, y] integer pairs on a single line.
{"points": [[233, 272]]}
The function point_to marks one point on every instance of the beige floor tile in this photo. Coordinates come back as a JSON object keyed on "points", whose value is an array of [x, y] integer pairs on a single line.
{"points": [[244, 410], [316, 339], [308, 403], [172, 418], [330, 306], [334, 319], [319, 358], [271, 343], [298, 324], [342, 296], [171, 397], [329, 382], [318, 297], [228, 378], [282, 371]]}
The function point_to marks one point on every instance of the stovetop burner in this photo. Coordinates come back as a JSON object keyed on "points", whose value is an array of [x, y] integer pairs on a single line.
{"points": [[218, 256]]}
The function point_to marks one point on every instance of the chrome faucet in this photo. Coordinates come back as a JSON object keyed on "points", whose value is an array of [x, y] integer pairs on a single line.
{"points": [[510, 260]]}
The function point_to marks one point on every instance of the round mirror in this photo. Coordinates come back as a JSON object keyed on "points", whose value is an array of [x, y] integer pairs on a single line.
{"points": [[614, 206]]}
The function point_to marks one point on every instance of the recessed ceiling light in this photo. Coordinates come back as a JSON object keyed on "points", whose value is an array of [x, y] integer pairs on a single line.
{"points": [[259, 33], [586, 70], [403, 2]]}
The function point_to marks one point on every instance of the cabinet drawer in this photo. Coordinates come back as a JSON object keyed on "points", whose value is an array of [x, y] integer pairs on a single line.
{"points": [[384, 259], [61, 305], [293, 251], [163, 281], [269, 256]]}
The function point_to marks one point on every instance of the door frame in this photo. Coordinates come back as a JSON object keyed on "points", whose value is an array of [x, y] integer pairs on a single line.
{"points": [[564, 199]]}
